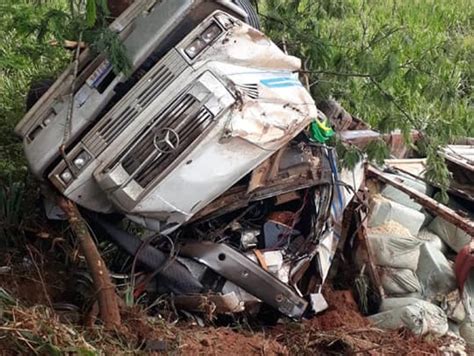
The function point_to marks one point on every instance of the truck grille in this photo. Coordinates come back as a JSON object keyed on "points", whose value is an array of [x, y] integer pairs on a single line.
{"points": [[183, 122], [147, 90]]}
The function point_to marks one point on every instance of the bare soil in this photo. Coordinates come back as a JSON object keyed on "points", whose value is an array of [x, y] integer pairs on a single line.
{"points": [[339, 330]]}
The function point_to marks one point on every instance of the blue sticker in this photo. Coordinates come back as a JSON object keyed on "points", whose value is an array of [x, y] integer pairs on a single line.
{"points": [[282, 82]]}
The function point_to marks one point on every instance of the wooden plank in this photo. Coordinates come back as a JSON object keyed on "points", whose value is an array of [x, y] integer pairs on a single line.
{"points": [[432, 205], [364, 240], [259, 175], [275, 164]]}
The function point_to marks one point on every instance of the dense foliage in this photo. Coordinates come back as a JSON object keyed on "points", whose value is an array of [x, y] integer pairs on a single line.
{"points": [[31, 49], [396, 64], [22, 59]]}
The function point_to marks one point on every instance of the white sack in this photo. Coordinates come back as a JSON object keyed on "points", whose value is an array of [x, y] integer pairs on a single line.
{"points": [[399, 281], [435, 272], [421, 318], [392, 193], [383, 210], [449, 233], [394, 251]]}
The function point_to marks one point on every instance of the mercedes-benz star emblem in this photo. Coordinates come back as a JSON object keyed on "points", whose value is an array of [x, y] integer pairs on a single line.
{"points": [[166, 140]]}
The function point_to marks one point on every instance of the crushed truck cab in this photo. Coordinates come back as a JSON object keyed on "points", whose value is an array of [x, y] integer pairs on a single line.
{"points": [[202, 134], [211, 109]]}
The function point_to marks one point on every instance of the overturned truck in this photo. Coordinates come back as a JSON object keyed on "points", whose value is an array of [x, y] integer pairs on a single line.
{"points": [[205, 144]]}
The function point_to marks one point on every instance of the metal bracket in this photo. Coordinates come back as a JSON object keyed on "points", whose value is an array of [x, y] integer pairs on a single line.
{"points": [[245, 273]]}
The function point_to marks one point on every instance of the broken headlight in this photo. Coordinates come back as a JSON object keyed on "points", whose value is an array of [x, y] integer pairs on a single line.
{"points": [[206, 38]]}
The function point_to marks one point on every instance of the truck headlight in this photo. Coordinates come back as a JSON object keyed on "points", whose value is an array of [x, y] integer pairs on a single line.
{"points": [[198, 45], [66, 176], [195, 48], [81, 160], [211, 33]]}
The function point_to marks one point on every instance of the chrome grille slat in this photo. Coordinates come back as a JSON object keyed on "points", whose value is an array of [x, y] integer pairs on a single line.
{"points": [[187, 117], [99, 144], [165, 79], [120, 124], [129, 108], [145, 141], [147, 174], [183, 140]]}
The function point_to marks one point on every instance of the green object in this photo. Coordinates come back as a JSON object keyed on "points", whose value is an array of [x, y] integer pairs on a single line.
{"points": [[321, 131]]}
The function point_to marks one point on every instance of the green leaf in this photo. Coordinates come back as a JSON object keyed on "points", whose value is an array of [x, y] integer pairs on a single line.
{"points": [[377, 151], [91, 13], [349, 156], [303, 6], [86, 352], [103, 6]]}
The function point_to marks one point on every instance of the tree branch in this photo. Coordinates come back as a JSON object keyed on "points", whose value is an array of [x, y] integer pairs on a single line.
{"points": [[108, 306]]}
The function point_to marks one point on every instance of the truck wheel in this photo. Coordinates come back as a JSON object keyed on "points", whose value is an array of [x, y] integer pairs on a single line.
{"points": [[252, 14]]}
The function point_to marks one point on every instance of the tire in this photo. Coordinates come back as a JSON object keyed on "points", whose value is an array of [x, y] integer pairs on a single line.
{"points": [[252, 19]]}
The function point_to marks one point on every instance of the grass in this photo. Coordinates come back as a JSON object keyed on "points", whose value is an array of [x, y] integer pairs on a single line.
{"points": [[23, 58], [390, 62], [395, 64]]}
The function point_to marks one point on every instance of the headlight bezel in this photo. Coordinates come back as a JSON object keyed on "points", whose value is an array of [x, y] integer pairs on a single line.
{"points": [[195, 48], [68, 171], [66, 176], [199, 44], [85, 157]]}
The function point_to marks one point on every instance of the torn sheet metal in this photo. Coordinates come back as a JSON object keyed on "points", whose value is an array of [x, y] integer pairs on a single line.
{"points": [[248, 275], [460, 160], [359, 138], [318, 303], [460, 185], [347, 183], [394, 140], [299, 167], [414, 166], [462, 155]]}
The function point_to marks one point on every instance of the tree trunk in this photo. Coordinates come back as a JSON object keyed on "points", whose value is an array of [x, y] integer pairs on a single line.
{"points": [[108, 306]]}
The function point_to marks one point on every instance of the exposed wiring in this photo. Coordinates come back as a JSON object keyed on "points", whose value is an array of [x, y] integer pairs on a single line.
{"points": [[171, 258]]}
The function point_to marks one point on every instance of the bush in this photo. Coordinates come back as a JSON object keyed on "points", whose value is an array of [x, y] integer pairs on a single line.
{"points": [[395, 64], [23, 58]]}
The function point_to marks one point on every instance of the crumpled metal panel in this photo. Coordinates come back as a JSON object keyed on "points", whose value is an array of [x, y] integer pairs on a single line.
{"points": [[271, 107], [462, 155]]}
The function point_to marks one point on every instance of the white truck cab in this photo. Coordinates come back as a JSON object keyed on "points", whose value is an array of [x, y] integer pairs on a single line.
{"points": [[203, 112]]}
